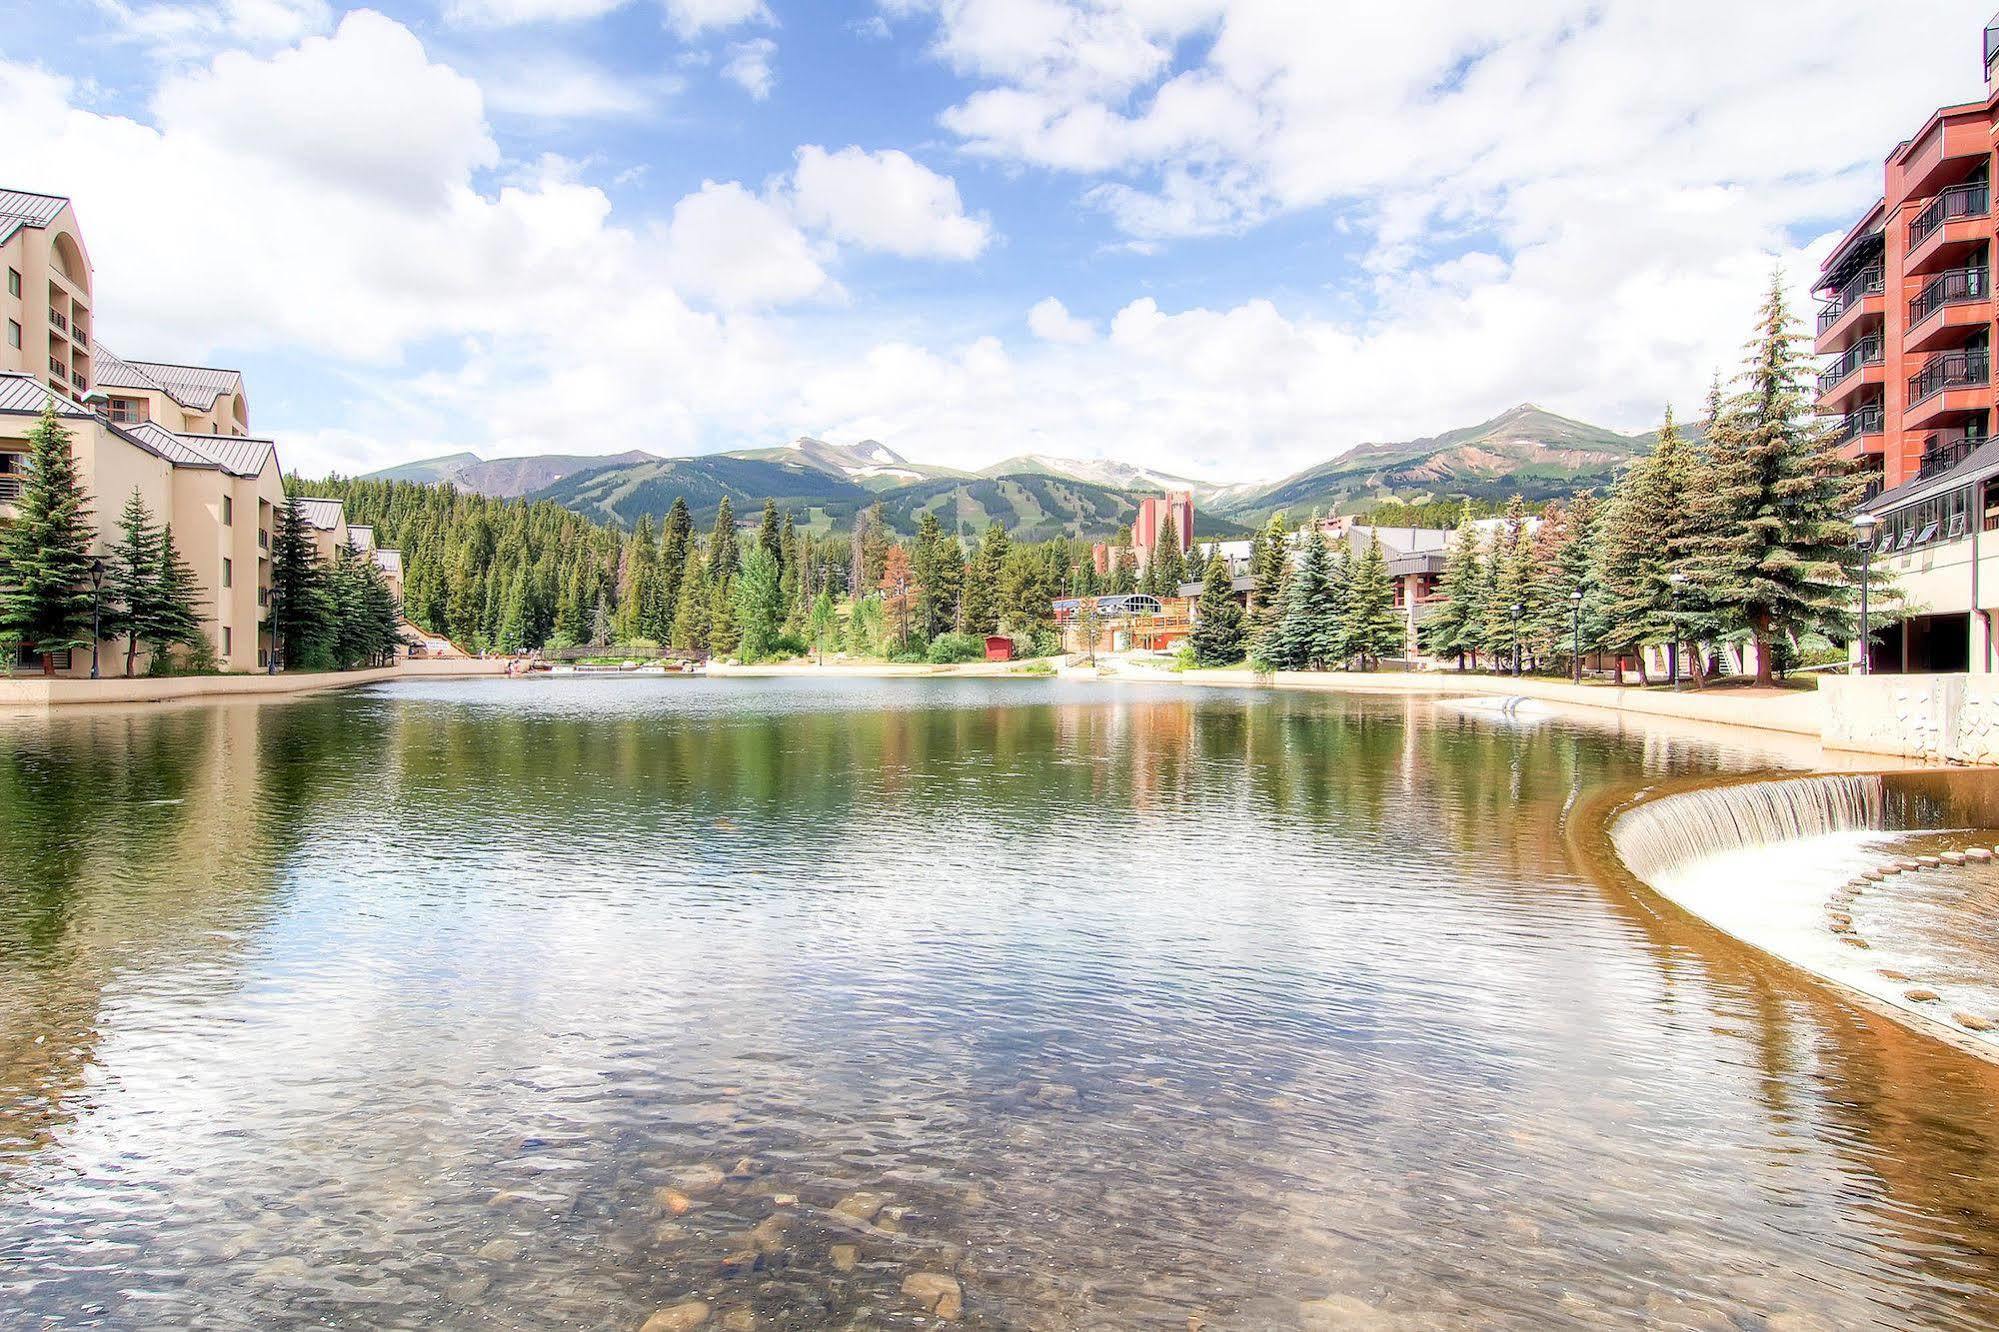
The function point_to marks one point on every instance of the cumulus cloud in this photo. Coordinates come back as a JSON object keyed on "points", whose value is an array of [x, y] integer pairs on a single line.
{"points": [[885, 201], [1051, 321], [555, 86], [731, 247], [178, 30], [692, 17], [749, 66]]}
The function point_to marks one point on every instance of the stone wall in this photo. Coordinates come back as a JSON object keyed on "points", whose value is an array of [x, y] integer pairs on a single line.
{"points": [[1934, 718]]}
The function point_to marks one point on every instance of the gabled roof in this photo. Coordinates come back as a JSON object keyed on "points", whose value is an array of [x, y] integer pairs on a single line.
{"points": [[324, 514], [24, 395], [234, 454], [388, 561], [19, 208], [192, 386], [361, 537]]}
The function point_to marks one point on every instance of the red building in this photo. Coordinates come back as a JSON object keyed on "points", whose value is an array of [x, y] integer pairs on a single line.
{"points": [[1907, 322], [1150, 527]]}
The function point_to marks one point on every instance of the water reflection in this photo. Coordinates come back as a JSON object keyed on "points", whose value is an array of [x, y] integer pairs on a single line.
{"points": [[553, 1004]]}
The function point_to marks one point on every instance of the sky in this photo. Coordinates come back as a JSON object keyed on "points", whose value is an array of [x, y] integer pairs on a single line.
{"points": [[1224, 238]]}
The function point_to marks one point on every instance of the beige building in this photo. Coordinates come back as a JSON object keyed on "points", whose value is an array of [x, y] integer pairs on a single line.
{"points": [[179, 435]]}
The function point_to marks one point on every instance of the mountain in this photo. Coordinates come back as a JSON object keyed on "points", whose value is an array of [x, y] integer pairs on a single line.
{"points": [[1106, 472], [1033, 507], [870, 463], [1525, 451], [623, 493], [503, 478]]}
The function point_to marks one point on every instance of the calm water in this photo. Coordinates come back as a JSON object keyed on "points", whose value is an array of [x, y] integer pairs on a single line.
{"points": [[530, 1004]]}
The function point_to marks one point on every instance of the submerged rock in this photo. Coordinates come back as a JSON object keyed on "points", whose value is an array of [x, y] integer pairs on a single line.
{"points": [[861, 1206], [698, 1180], [846, 1257], [502, 1250], [1973, 1022], [1920, 996], [936, 1293], [679, 1317], [1336, 1311], [674, 1201]]}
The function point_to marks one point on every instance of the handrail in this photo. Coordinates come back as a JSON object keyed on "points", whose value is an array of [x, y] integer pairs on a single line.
{"points": [[1867, 282], [1948, 370], [1865, 352], [1970, 283], [1868, 420], [1959, 201]]}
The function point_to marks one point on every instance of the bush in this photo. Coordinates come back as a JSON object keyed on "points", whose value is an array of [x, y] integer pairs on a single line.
{"points": [[908, 659], [950, 649], [785, 646]]}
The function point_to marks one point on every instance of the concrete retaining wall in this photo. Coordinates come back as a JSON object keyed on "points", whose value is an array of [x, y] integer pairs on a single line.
{"points": [[1935, 718]]}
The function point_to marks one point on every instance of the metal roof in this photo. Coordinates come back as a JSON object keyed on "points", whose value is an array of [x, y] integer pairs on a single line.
{"points": [[192, 386], [1982, 463], [23, 394], [171, 446], [388, 561], [361, 537], [234, 454], [19, 208], [324, 514]]}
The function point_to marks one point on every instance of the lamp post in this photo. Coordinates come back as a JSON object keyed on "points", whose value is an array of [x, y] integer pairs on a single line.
{"points": [[1576, 615], [1864, 524], [96, 611], [1673, 582], [1516, 639]]}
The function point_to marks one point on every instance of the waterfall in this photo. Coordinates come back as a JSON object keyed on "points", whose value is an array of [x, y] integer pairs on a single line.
{"points": [[1675, 830]]}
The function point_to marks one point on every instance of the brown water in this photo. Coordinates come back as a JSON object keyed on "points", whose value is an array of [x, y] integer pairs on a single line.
{"points": [[429, 1005]]}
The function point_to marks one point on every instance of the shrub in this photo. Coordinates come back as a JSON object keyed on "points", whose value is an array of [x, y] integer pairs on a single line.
{"points": [[908, 659], [950, 649]]}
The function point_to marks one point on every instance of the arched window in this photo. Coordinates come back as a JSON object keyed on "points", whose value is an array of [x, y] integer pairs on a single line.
{"points": [[241, 411], [68, 260]]}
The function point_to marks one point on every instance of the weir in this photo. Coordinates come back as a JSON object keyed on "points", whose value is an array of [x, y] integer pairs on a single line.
{"points": [[1675, 830]]}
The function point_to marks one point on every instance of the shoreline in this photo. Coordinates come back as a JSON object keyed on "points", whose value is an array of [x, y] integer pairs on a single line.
{"points": [[34, 694]]}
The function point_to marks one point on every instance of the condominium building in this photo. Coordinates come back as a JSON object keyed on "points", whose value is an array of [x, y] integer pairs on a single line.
{"points": [[1906, 335], [178, 435]]}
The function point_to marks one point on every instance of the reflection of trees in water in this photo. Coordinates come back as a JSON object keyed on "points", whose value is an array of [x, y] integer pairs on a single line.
{"points": [[134, 842]]}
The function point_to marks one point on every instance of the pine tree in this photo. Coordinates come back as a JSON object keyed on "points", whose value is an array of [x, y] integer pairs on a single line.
{"points": [[1777, 557], [176, 618], [1372, 630], [1511, 571], [1167, 569], [673, 542], [1456, 629], [694, 616], [723, 559], [937, 567], [132, 579], [822, 626], [296, 605], [900, 591], [1218, 635], [725, 631], [1269, 557], [981, 600], [759, 605], [45, 593], [1308, 637], [513, 614], [768, 533]]}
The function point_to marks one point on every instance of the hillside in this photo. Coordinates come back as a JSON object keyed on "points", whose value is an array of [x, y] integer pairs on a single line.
{"points": [[503, 478], [1525, 451], [1032, 507], [622, 493], [1106, 472]]}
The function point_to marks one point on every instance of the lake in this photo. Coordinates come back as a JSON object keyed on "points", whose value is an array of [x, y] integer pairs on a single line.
{"points": [[556, 1003]]}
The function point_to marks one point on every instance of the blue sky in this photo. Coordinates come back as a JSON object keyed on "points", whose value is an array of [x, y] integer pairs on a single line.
{"points": [[1225, 237]]}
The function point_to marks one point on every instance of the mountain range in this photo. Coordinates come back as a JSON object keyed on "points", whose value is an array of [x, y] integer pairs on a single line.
{"points": [[1527, 451]]}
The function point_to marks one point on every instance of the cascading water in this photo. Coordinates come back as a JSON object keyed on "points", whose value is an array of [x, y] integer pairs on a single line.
{"points": [[1671, 832]]}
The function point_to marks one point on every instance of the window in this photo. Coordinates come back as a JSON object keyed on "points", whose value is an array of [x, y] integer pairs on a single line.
{"points": [[228, 642], [13, 334], [228, 510], [13, 282], [228, 573]]}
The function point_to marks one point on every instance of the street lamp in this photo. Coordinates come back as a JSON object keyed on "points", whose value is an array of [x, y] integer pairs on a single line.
{"points": [[1576, 612], [1673, 583], [96, 611], [1516, 639], [1864, 524]]}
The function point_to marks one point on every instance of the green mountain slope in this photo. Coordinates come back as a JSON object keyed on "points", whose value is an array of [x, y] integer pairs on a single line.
{"points": [[1526, 451]]}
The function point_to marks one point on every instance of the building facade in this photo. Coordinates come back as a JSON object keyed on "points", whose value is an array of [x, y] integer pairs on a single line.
{"points": [[177, 435], [1906, 335]]}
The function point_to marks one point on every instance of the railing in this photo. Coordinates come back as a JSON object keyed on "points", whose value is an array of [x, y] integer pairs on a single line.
{"points": [[10, 487], [1949, 370], [1868, 420], [1943, 452], [1958, 201], [58, 369], [77, 335], [1872, 491], [1948, 288], [1867, 282], [1865, 352], [76, 378], [263, 539]]}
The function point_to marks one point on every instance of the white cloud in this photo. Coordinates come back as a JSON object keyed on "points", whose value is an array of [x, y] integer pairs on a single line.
{"points": [[554, 86], [749, 66], [728, 246], [885, 201], [1051, 321], [691, 18], [180, 30]]}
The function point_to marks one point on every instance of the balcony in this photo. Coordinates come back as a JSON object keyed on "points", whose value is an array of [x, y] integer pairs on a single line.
{"points": [[1953, 381], [1855, 369], [58, 323], [1952, 224], [76, 377], [1867, 420], [10, 487], [1860, 295], [1948, 150], [1949, 306], [1945, 450], [59, 370]]}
